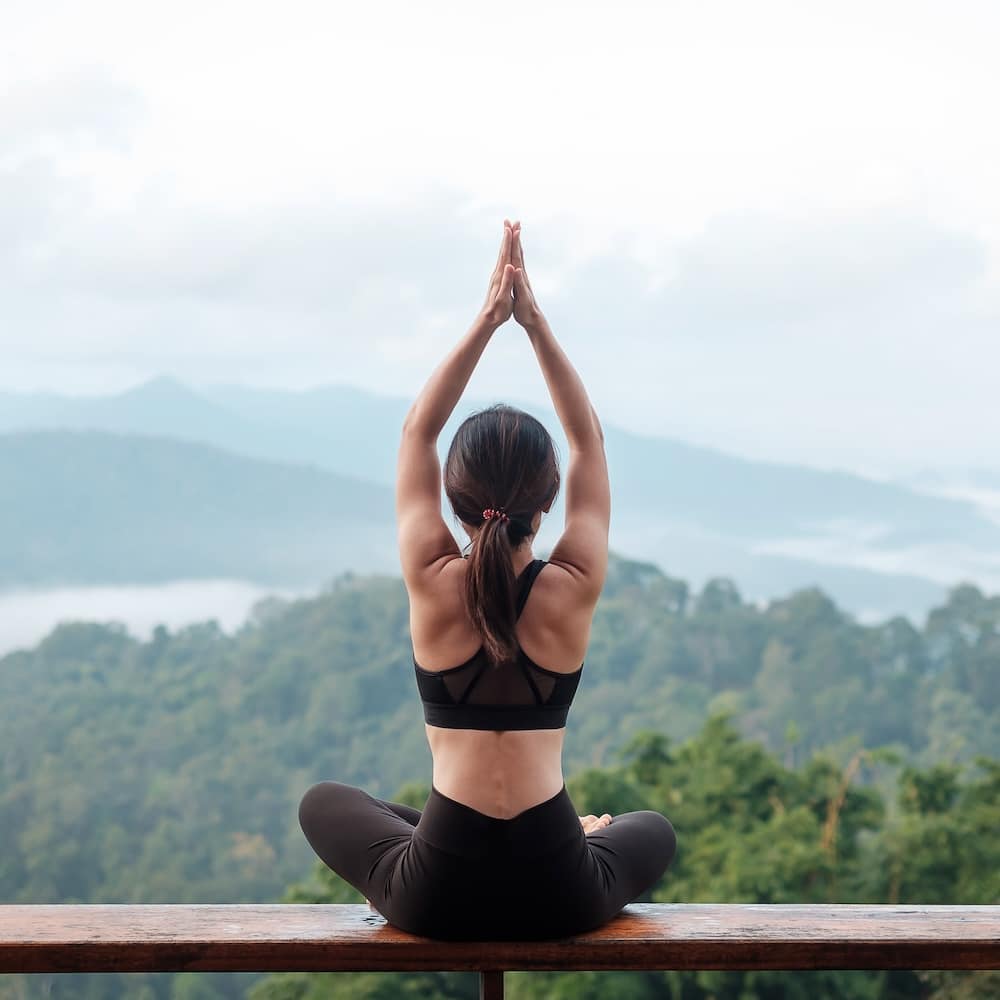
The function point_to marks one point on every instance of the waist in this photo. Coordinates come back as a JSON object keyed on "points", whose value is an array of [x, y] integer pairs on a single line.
{"points": [[459, 829], [497, 773]]}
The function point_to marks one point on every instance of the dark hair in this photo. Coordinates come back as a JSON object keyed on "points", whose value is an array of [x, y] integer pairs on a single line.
{"points": [[500, 457]]}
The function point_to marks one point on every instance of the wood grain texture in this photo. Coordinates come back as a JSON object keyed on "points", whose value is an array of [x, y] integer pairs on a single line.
{"points": [[348, 937]]}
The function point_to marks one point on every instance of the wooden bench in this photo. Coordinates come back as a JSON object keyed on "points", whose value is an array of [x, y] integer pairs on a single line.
{"points": [[351, 938]]}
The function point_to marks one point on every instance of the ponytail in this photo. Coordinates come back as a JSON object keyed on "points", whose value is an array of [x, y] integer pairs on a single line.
{"points": [[489, 590], [498, 454]]}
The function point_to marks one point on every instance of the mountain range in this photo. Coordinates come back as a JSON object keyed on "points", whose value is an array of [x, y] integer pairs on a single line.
{"points": [[283, 486]]}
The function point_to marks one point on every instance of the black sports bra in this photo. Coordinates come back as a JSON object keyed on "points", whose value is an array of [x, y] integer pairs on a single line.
{"points": [[521, 695]]}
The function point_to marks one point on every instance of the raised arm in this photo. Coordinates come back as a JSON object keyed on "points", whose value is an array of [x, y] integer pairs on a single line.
{"points": [[425, 541], [583, 548]]}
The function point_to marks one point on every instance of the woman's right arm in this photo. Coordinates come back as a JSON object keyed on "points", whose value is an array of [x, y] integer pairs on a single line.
{"points": [[583, 548]]}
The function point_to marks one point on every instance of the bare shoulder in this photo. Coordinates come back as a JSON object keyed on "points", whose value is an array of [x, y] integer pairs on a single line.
{"points": [[562, 591], [438, 622], [443, 581], [554, 629]]}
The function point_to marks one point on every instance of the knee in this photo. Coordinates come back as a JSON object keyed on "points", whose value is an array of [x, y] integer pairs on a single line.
{"points": [[318, 803], [664, 839]]}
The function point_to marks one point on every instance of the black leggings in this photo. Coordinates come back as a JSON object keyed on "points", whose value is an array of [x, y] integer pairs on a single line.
{"points": [[453, 873]]}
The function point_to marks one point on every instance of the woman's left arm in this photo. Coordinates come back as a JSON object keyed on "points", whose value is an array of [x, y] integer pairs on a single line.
{"points": [[425, 541]]}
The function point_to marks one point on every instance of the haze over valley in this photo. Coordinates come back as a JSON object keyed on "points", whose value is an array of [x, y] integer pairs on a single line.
{"points": [[202, 500]]}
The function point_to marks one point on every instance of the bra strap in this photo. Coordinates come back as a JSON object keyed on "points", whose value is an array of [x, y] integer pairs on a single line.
{"points": [[528, 577]]}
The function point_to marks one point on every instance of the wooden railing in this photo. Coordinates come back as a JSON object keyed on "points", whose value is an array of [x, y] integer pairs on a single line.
{"points": [[350, 938]]}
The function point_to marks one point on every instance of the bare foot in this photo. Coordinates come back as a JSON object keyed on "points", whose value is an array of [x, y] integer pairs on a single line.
{"points": [[591, 823]]}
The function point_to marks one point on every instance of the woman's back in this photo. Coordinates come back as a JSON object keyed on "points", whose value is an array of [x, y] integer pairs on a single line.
{"points": [[501, 773], [498, 852]]}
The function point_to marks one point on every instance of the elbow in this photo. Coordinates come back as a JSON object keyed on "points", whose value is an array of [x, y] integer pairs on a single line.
{"points": [[414, 427], [587, 438], [410, 420], [598, 429]]}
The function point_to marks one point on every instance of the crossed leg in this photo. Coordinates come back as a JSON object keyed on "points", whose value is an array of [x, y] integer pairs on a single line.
{"points": [[361, 838], [356, 834], [633, 851]]}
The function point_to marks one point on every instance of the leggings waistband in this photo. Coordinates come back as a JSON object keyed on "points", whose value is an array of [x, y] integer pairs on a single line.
{"points": [[459, 829]]}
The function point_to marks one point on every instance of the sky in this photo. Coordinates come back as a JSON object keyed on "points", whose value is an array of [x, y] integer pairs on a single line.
{"points": [[772, 228]]}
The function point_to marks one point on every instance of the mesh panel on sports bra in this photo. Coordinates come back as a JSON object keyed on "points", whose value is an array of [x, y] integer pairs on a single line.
{"points": [[508, 684]]}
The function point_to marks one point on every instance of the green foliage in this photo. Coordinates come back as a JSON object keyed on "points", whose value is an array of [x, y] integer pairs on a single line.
{"points": [[171, 770], [368, 986]]}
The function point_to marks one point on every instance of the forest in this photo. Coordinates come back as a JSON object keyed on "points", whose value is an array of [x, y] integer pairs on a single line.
{"points": [[801, 756]]}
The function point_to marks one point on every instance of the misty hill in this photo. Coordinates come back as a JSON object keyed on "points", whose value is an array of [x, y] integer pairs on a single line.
{"points": [[79, 507], [696, 511], [96, 507], [716, 490], [165, 407]]}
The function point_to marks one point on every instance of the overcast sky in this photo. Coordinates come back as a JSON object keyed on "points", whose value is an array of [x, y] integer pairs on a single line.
{"points": [[769, 227]]}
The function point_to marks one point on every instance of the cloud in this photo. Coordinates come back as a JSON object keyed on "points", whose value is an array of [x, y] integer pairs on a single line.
{"points": [[756, 273], [46, 129], [68, 112], [861, 343], [789, 272], [766, 332]]}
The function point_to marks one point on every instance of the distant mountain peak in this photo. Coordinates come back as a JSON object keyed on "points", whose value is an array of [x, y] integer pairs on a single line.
{"points": [[161, 386]]}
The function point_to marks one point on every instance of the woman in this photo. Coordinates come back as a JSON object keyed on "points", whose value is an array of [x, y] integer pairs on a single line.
{"points": [[498, 851]]}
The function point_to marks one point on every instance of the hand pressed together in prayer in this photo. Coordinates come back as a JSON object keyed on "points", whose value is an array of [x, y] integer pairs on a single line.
{"points": [[509, 291]]}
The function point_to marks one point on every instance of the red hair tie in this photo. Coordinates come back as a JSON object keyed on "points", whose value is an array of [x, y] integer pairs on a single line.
{"points": [[491, 512]]}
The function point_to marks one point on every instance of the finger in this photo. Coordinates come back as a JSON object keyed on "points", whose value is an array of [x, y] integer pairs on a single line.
{"points": [[516, 253], [507, 281], [520, 255], [504, 254], [520, 290]]}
